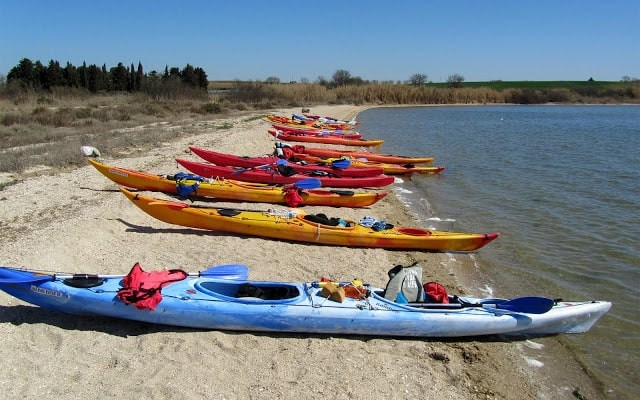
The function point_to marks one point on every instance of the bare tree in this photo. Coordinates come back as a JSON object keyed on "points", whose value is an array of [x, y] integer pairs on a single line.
{"points": [[455, 80], [418, 79], [341, 77]]}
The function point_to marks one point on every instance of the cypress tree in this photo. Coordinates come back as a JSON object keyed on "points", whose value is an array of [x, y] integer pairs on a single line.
{"points": [[139, 77], [83, 75], [131, 84]]}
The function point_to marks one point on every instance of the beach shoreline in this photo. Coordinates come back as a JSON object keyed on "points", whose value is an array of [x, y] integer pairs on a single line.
{"points": [[77, 221]]}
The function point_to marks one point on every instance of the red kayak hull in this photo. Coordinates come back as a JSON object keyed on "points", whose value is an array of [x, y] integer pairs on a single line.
{"points": [[280, 135], [262, 176], [230, 160], [318, 132]]}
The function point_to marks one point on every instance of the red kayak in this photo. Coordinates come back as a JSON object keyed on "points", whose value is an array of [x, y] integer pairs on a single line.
{"points": [[292, 137], [317, 132], [274, 176], [335, 153], [230, 160]]}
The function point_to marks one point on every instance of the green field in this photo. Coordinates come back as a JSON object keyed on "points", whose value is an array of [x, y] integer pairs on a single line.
{"points": [[544, 85]]}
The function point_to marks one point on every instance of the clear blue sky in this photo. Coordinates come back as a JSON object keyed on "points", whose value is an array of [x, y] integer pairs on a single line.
{"points": [[374, 39]]}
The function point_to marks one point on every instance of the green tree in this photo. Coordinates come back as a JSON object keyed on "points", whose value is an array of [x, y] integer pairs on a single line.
{"points": [[83, 75], [119, 78], [188, 76], [104, 82], [201, 76], [174, 72], [23, 74], [70, 74], [93, 78], [39, 75], [139, 77], [53, 75]]}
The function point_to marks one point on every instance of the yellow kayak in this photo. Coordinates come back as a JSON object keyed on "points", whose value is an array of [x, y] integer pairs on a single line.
{"points": [[239, 191], [308, 228]]}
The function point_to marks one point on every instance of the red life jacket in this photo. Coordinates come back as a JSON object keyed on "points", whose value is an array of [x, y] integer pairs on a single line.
{"points": [[436, 293], [142, 289], [292, 197]]}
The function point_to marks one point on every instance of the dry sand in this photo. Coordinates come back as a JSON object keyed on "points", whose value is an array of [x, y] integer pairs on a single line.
{"points": [[77, 221]]}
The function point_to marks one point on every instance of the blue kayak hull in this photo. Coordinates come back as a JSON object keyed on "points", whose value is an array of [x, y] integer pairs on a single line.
{"points": [[206, 303]]}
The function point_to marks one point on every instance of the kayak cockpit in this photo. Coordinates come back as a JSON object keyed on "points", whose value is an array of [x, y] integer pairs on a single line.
{"points": [[270, 292]]}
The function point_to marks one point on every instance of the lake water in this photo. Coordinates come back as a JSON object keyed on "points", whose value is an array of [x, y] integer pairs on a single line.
{"points": [[561, 184]]}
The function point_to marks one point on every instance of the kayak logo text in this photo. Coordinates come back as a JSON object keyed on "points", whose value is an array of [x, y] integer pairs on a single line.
{"points": [[47, 292], [116, 172]]}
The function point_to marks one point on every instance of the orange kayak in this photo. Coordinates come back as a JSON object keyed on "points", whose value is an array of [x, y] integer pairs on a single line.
{"points": [[238, 191], [368, 155], [388, 169], [301, 227]]}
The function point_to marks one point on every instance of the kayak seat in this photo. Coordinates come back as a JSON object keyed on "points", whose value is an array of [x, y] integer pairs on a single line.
{"points": [[322, 219], [83, 281], [266, 292], [343, 192], [228, 212], [250, 291], [286, 170]]}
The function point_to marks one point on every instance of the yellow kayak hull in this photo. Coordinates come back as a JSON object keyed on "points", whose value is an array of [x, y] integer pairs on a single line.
{"points": [[235, 190], [296, 228]]}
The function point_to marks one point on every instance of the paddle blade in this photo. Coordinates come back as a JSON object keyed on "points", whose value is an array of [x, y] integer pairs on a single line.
{"points": [[236, 272], [341, 163], [309, 183], [527, 305]]}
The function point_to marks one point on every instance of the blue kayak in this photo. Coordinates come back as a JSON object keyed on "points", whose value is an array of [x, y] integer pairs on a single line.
{"points": [[223, 299]]}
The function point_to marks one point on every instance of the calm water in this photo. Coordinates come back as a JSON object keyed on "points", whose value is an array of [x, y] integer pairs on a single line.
{"points": [[562, 185]]}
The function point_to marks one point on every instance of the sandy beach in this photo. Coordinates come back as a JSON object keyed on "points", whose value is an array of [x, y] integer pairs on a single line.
{"points": [[78, 222]]}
